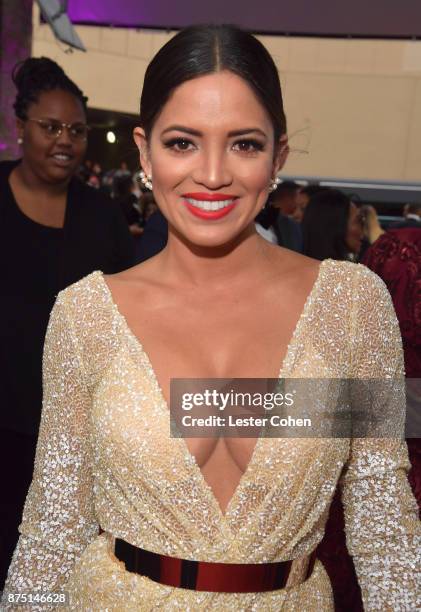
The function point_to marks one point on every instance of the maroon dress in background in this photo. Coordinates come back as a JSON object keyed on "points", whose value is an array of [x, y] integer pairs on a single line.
{"points": [[396, 258]]}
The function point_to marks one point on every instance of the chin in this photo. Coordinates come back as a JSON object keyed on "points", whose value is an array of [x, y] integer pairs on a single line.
{"points": [[59, 175], [213, 238]]}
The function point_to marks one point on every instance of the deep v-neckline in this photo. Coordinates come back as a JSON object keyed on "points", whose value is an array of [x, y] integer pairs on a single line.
{"points": [[285, 363]]}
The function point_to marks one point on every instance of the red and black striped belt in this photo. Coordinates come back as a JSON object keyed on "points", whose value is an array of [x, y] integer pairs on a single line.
{"points": [[209, 576]]}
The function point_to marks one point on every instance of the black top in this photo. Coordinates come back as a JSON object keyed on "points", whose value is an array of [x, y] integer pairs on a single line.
{"points": [[288, 232], [128, 209], [154, 237], [38, 262]]}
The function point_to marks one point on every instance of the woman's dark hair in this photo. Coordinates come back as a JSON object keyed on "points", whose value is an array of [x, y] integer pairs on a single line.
{"points": [[311, 189], [205, 49], [325, 225], [36, 75]]}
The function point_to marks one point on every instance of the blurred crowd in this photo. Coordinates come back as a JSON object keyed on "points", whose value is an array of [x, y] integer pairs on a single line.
{"points": [[125, 188], [315, 220], [323, 222]]}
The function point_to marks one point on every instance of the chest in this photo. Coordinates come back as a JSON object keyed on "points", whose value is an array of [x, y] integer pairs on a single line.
{"points": [[239, 341], [48, 212]]}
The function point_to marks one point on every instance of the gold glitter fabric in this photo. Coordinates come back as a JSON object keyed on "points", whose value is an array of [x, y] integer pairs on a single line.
{"points": [[105, 459]]}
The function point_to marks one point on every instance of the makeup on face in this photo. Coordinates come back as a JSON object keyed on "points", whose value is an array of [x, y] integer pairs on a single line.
{"points": [[211, 156], [210, 206]]}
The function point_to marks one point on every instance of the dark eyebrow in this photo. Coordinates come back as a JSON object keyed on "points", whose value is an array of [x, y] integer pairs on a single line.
{"points": [[186, 130]]}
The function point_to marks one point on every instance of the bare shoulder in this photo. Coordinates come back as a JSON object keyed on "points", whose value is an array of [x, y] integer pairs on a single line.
{"points": [[135, 282], [293, 270], [141, 273]]}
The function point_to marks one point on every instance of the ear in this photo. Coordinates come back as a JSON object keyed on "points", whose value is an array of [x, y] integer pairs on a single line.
{"points": [[281, 154], [142, 144]]}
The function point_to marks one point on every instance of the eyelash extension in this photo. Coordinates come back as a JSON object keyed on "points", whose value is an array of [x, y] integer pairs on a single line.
{"points": [[174, 141], [255, 144]]}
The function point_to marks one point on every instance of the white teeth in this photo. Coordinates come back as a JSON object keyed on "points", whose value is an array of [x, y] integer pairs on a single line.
{"points": [[61, 157], [204, 205]]}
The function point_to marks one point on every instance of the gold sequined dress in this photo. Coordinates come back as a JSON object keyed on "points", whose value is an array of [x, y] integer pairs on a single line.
{"points": [[105, 459]]}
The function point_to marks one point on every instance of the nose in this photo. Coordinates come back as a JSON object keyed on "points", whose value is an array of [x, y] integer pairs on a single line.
{"points": [[64, 138], [212, 169]]}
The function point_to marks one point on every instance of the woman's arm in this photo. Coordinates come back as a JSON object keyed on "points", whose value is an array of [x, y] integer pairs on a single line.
{"points": [[58, 519], [381, 519]]}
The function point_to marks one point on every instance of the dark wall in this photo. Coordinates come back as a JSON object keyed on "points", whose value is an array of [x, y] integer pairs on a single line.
{"points": [[107, 154]]}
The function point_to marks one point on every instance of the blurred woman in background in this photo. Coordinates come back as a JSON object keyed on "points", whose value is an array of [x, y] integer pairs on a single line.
{"points": [[53, 231], [332, 227], [302, 198]]}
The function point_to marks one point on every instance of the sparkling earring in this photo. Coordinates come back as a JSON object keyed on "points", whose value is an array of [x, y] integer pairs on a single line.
{"points": [[274, 183], [20, 140], [146, 179]]}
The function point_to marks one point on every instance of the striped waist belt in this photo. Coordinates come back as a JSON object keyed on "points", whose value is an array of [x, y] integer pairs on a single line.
{"points": [[209, 576]]}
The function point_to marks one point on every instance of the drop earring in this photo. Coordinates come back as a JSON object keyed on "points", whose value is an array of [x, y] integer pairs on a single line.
{"points": [[20, 141], [146, 180], [274, 183]]}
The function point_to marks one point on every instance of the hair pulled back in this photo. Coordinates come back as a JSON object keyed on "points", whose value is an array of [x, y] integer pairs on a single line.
{"points": [[205, 49], [36, 75], [325, 224]]}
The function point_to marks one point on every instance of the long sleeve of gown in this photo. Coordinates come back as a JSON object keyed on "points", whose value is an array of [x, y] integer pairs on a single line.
{"points": [[383, 532], [58, 519]]}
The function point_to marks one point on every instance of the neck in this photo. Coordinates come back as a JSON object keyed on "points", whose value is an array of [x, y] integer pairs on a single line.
{"points": [[214, 267], [32, 182]]}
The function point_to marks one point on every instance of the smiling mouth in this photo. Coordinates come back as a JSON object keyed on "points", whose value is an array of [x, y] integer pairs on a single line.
{"points": [[211, 206], [62, 157]]}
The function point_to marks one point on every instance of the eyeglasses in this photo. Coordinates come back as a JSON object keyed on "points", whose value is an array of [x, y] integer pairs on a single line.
{"points": [[54, 129]]}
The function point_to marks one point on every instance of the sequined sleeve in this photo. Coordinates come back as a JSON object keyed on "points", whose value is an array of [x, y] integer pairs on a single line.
{"points": [[58, 519], [381, 518]]}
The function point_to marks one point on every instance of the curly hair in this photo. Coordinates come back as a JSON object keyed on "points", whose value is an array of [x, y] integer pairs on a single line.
{"points": [[36, 75]]}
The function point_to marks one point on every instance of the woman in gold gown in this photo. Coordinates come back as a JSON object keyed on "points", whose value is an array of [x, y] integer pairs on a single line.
{"points": [[110, 484]]}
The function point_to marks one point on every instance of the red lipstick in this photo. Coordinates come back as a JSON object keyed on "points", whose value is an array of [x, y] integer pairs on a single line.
{"points": [[209, 197]]}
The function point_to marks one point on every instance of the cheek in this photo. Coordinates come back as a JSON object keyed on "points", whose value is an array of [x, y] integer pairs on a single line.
{"points": [[254, 174], [353, 237], [80, 150], [168, 171], [166, 179], [257, 183], [35, 142]]}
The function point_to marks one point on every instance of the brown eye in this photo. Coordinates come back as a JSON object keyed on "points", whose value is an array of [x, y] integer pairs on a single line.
{"points": [[248, 146], [79, 131], [51, 128], [180, 145]]}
